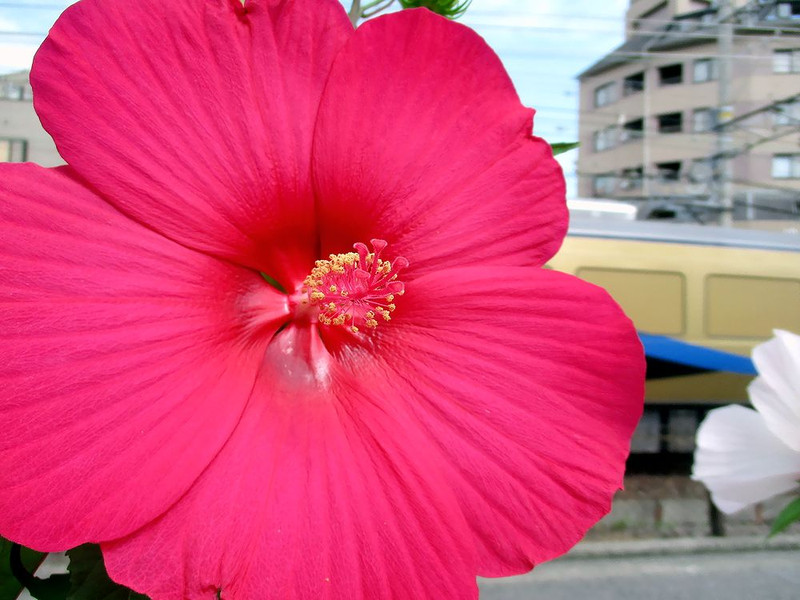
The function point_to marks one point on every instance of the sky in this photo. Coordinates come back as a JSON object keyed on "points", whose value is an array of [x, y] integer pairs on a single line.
{"points": [[543, 44]]}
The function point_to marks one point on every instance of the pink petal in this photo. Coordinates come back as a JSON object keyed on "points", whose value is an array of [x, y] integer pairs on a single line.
{"points": [[196, 117], [530, 382], [421, 140], [741, 461], [322, 492], [125, 360]]}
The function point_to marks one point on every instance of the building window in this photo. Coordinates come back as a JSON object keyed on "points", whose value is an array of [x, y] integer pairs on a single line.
{"points": [[632, 130], [633, 84], [670, 122], [669, 171], [604, 185], [631, 179], [604, 139], [787, 10], [670, 74], [13, 150], [10, 90], [703, 119], [704, 69], [702, 170], [605, 94], [786, 166], [786, 61], [786, 114]]}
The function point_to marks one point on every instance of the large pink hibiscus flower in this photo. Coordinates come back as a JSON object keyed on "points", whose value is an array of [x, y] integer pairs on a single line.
{"points": [[213, 432]]}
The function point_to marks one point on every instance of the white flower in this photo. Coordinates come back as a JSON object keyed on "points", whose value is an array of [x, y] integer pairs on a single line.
{"points": [[745, 456]]}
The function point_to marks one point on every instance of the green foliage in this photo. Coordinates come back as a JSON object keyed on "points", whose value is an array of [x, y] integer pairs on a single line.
{"points": [[561, 147], [788, 515], [89, 580], [10, 586], [53, 588], [17, 565], [452, 9], [273, 282]]}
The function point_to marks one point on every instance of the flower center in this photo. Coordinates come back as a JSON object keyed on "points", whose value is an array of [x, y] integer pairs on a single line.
{"points": [[355, 289]]}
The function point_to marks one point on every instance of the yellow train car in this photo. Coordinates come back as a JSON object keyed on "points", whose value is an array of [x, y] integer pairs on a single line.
{"points": [[716, 288]]}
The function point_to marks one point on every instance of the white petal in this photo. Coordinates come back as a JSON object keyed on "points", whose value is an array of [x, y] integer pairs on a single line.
{"points": [[735, 497], [740, 461], [776, 391]]}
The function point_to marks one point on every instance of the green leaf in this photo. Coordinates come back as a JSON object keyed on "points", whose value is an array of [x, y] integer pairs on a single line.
{"points": [[10, 587], [788, 515], [561, 147], [452, 9], [273, 282], [53, 588], [17, 565], [89, 580]]}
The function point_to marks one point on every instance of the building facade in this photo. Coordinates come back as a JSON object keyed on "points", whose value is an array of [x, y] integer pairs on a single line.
{"points": [[655, 128], [22, 137]]}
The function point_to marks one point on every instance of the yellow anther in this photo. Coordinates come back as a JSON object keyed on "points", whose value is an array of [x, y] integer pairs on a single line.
{"points": [[352, 288], [391, 307]]}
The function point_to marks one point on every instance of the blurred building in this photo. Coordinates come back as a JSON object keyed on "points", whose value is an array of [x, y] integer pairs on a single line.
{"points": [[697, 113], [22, 137]]}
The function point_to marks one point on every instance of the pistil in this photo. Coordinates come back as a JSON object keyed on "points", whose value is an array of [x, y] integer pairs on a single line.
{"points": [[355, 289]]}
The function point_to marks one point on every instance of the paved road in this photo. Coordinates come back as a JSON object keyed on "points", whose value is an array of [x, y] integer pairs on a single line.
{"points": [[761, 575]]}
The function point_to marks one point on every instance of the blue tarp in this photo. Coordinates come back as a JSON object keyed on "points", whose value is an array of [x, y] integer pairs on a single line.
{"points": [[670, 350]]}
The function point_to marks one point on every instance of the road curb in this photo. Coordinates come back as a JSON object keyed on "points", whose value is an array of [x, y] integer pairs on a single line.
{"points": [[665, 547]]}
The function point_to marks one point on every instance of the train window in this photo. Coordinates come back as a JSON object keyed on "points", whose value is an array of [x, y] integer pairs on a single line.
{"points": [[751, 306], [681, 430], [654, 300], [647, 436]]}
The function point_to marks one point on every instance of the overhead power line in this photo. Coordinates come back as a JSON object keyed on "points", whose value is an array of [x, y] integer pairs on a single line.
{"points": [[549, 53], [698, 33]]}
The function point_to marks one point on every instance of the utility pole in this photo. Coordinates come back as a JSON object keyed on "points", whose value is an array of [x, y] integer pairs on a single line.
{"points": [[722, 195]]}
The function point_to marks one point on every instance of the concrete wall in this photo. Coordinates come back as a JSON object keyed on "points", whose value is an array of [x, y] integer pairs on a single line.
{"points": [[675, 506]]}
